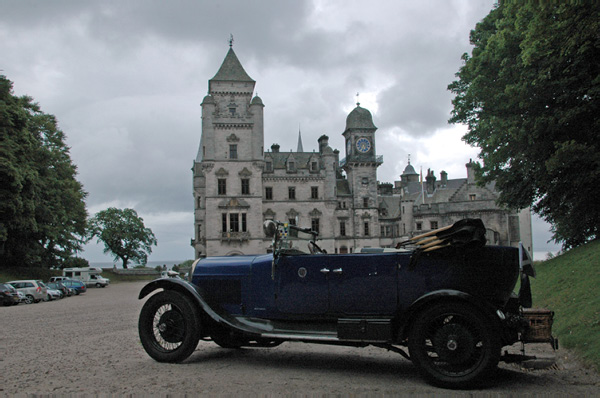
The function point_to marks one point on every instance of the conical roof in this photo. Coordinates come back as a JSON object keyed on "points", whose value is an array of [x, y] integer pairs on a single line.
{"points": [[359, 118], [409, 170], [231, 69]]}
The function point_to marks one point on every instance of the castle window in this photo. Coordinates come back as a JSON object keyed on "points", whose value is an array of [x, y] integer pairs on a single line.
{"points": [[313, 166], [234, 222], [292, 232], [365, 180], [222, 186], [419, 226], [365, 202], [268, 166], [434, 225], [366, 228], [244, 226], [224, 222], [245, 186], [292, 192], [472, 196], [233, 151], [199, 201], [314, 225], [342, 228], [269, 193], [291, 165], [199, 231], [314, 192]]}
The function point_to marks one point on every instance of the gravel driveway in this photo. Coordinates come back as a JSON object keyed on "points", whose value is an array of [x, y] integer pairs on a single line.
{"points": [[89, 345]]}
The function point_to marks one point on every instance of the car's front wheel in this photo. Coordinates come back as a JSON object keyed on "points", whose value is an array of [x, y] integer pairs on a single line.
{"points": [[29, 299], [169, 327], [453, 345]]}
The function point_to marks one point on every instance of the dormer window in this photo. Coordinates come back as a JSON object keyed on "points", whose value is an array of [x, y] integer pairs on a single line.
{"points": [[268, 166], [291, 165]]}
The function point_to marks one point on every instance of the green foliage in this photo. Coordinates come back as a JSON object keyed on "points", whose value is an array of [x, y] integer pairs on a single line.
{"points": [[530, 97], [186, 264], [568, 285], [75, 262], [42, 205], [123, 234]]}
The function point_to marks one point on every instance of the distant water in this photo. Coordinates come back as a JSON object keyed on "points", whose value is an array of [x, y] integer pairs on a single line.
{"points": [[150, 264]]}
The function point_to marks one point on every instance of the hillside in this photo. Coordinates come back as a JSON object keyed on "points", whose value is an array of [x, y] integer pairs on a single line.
{"points": [[569, 285]]}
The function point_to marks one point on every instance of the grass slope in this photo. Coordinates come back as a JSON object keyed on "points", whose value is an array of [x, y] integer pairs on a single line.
{"points": [[569, 285]]}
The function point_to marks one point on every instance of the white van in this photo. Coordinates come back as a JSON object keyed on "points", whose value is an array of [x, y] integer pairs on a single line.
{"points": [[88, 275]]}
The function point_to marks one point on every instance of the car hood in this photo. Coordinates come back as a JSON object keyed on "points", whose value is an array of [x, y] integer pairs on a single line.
{"points": [[229, 265]]}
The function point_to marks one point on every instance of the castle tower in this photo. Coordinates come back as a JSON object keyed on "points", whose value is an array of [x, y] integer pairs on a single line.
{"points": [[360, 166], [228, 166]]}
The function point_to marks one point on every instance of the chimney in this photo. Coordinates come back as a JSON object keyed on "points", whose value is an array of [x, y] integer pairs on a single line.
{"points": [[444, 176], [470, 172], [275, 148], [430, 181]]}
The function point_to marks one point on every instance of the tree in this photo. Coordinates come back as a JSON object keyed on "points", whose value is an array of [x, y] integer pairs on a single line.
{"points": [[42, 205], [530, 97], [123, 234]]}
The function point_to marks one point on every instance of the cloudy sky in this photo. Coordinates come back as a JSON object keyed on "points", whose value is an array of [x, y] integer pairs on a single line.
{"points": [[125, 80]]}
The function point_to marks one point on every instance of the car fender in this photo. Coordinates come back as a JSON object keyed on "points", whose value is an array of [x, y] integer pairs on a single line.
{"points": [[192, 292], [407, 317]]}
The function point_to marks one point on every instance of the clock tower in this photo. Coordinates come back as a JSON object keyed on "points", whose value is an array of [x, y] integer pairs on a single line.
{"points": [[360, 166]]}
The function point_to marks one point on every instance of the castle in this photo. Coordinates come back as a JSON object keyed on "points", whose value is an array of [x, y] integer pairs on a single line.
{"points": [[237, 185]]}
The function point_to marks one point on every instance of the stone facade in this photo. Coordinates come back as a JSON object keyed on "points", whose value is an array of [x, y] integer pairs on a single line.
{"points": [[238, 185]]}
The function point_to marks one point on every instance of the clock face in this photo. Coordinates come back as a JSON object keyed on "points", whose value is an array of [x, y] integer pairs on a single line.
{"points": [[363, 145]]}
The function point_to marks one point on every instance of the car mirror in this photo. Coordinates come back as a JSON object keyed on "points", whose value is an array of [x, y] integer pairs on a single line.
{"points": [[270, 228]]}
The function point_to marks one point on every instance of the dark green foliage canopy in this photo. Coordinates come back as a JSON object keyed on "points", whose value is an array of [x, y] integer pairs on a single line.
{"points": [[123, 234], [530, 95], [42, 205]]}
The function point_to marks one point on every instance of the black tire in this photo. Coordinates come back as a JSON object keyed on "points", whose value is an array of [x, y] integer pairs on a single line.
{"points": [[29, 299], [453, 345], [169, 327]]}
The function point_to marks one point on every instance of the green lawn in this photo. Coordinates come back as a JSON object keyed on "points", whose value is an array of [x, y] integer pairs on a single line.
{"points": [[569, 285]]}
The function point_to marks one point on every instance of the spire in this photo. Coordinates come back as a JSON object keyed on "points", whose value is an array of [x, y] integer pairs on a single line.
{"points": [[300, 148], [231, 70]]}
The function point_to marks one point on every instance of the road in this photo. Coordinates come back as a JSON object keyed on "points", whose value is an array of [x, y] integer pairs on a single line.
{"points": [[89, 345]]}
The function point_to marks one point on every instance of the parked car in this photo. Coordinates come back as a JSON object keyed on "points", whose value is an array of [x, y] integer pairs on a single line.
{"points": [[22, 297], [8, 295], [65, 291], [34, 290], [77, 286], [453, 306], [58, 278], [53, 294]]}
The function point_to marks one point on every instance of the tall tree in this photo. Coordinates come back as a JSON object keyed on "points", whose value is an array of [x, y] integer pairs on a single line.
{"points": [[123, 234], [530, 96], [42, 205]]}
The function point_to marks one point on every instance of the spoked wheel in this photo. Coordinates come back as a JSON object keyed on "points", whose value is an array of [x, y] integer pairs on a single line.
{"points": [[453, 346], [169, 327]]}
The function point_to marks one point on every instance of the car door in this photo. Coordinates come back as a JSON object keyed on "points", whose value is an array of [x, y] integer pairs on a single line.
{"points": [[364, 284], [302, 284]]}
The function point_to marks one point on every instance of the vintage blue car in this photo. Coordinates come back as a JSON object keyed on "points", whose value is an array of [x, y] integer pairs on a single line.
{"points": [[449, 299]]}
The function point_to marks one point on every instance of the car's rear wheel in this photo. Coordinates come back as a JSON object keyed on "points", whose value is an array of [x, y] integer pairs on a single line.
{"points": [[169, 327], [453, 345]]}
